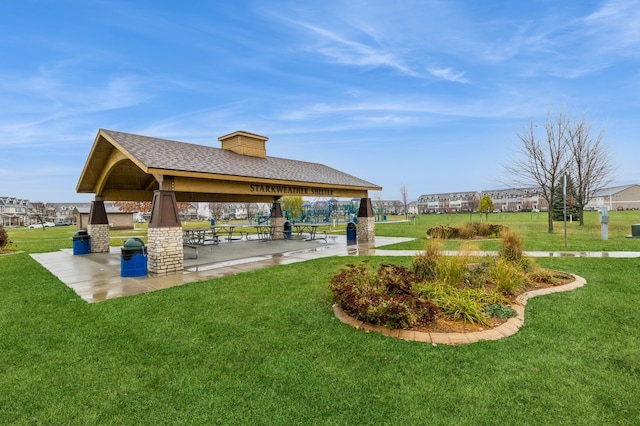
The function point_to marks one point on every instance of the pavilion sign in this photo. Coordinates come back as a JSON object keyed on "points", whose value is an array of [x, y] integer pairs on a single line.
{"points": [[289, 190]]}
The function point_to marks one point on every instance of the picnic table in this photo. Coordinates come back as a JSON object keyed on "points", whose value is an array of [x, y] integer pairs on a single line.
{"points": [[264, 232], [194, 237], [199, 236], [311, 230], [228, 231]]}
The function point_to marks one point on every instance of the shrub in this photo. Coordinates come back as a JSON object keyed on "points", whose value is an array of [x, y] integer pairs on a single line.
{"points": [[4, 238], [484, 229], [466, 231], [511, 248], [442, 232], [457, 304], [386, 297], [506, 276], [528, 264], [496, 230], [542, 276], [451, 270], [424, 264]]}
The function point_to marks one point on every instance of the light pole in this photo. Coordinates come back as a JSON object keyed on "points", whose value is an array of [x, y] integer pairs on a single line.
{"points": [[564, 212]]}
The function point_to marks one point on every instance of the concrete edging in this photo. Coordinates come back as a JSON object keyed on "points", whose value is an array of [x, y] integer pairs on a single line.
{"points": [[509, 328]]}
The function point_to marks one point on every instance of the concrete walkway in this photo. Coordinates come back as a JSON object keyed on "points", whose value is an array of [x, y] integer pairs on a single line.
{"points": [[96, 277]]}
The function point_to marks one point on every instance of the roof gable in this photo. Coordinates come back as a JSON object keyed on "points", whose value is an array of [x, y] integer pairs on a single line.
{"points": [[136, 159]]}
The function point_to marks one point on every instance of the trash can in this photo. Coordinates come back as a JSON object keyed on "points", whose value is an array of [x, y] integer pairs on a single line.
{"points": [[352, 233], [287, 230], [81, 243], [635, 231], [213, 222], [133, 258]]}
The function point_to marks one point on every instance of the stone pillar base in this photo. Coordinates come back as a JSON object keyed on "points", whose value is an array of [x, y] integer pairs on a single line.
{"points": [[366, 229], [165, 251], [278, 227], [99, 238]]}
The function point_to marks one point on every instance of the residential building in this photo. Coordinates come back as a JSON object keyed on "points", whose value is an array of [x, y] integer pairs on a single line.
{"points": [[14, 211], [117, 218], [618, 197], [448, 202], [517, 199]]}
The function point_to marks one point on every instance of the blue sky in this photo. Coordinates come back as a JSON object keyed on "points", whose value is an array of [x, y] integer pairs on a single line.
{"points": [[426, 94]]}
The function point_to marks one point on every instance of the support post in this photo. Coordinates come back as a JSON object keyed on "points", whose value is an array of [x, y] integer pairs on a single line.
{"points": [[98, 226], [165, 251], [366, 221], [277, 221]]}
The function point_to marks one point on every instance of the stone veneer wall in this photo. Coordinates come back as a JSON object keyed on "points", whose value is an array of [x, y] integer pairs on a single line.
{"points": [[366, 229], [278, 227], [99, 238], [165, 251]]}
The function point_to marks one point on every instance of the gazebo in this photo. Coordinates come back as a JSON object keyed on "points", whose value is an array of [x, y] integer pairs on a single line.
{"points": [[128, 167]]}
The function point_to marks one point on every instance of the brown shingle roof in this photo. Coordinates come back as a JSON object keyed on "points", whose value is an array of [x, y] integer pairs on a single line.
{"points": [[155, 153]]}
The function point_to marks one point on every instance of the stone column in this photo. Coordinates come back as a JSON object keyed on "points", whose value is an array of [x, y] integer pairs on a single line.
{"points": [[98, 227], [164, 249], [366, 221], [277, 221]]}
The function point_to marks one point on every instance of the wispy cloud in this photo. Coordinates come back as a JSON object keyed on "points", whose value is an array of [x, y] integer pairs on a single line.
{"points": [[616, 26], [43, 108], [350, 52], [449, 75]]}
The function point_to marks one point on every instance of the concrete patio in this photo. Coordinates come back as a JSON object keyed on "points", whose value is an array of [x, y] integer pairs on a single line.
{"points": [[95, 277]]}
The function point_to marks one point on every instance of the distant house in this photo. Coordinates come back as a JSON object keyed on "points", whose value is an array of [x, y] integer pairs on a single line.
{"points": [[626, 197], [517, 199], [14, 211], [117, 218], [64, 212], [448, 202]]}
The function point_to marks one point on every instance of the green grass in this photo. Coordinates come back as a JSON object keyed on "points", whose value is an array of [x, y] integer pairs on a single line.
{"points": [[532, 227], [263, 347], [59, 237]]}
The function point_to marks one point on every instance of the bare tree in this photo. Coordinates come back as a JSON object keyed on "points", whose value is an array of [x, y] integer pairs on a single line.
{"points": [[472, 199], [404, 194], [590, 166], [145, 206], [43, 212], [217, 210], [543, 159]]}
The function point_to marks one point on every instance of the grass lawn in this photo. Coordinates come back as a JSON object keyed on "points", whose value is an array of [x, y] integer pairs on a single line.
{"points": [[264, 348], [532, 227]]}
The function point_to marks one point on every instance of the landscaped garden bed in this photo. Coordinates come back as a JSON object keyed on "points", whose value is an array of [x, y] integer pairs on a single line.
{"points": [[439, 293], [467, 231]]}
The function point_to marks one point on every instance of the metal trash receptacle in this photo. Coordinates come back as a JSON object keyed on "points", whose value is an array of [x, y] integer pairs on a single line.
{"points": [[288, 233], [133, 258], [352, 232], [81, 243]]}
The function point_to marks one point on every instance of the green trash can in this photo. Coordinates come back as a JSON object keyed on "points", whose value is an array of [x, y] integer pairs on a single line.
{"points": [[133, 258]]}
